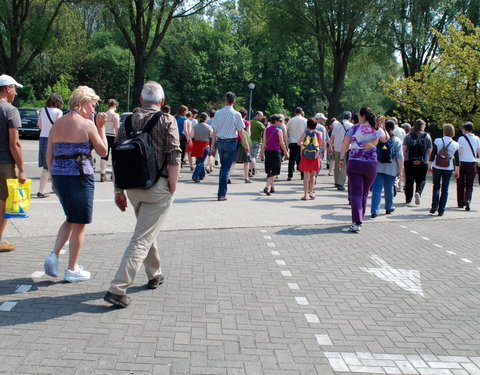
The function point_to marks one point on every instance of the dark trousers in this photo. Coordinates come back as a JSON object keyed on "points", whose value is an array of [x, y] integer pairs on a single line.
{"points": [[441, 181], [415, 174], [468, 171], [294, 151], [183, 146], [361, 175]]}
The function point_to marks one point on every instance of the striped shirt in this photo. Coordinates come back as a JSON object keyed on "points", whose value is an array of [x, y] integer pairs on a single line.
{"points": [[226, 123]]}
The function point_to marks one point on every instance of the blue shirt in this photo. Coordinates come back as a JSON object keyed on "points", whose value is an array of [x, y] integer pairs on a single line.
{"points": [[226, 123], [180, 122]]}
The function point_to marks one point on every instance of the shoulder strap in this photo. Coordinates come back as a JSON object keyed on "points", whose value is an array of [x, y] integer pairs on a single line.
{"points": [[152, 122], [48, 114], [471, 148], [128, 126]]}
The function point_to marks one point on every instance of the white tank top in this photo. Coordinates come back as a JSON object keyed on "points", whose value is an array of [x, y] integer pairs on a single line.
{"points": [[54, 113], [110, 125]]}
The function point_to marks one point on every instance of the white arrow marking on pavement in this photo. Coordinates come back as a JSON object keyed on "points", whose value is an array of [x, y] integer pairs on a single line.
{"points": [[408, 280]]}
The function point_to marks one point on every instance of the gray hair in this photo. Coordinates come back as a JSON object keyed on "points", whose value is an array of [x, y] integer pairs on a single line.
{"points": [[152, 92]]}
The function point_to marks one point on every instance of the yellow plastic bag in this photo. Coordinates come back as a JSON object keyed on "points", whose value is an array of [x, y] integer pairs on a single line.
{"points": [[18, 199]]}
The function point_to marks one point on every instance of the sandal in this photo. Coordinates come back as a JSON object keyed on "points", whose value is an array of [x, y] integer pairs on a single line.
{"points": [[304, 198]]}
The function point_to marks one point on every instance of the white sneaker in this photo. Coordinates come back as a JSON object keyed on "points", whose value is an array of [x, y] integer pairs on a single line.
{"points": [[76, 276], [51, 265], [417, 198], [355, 228]]}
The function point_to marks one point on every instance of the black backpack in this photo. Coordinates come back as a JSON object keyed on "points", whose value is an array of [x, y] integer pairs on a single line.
{"points": [[418, 147], [134, 159], [385, 151]]}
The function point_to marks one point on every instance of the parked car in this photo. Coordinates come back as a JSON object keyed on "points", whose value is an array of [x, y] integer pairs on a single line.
{"points": [[123, 116], [29, 118]]}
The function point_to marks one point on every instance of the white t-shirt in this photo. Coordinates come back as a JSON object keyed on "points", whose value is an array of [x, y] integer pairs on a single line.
{"points": [[400, 133], [54, 113], [295, 128], [339, 131], [452, 148], [110, 124], [465, 153]]}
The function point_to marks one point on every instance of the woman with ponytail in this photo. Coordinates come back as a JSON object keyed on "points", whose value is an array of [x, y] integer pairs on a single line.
{"points": [[362, 141]]}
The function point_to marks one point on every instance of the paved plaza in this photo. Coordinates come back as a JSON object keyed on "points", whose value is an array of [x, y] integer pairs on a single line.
{"points": [[254, 285]]}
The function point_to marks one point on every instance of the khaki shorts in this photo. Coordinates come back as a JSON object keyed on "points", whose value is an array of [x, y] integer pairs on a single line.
{"points": [[6, 171]]}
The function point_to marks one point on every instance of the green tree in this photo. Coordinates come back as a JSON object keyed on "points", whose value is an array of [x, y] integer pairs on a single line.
{"points": [[447, 88], [26, 31], [144, 25]]}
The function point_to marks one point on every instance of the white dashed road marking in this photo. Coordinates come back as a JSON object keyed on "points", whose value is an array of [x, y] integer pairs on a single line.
{"points": [[23, 288], [323, 339], [466, 260], [263, 231], [451, 252], [270, 244], [312, 318], [414, 232], [293, 286], [7, 306], [286, 274], [37, 274], [275, 252], [425, 238], [437, 245], [280, 262], [302, 301], [267, 237]]}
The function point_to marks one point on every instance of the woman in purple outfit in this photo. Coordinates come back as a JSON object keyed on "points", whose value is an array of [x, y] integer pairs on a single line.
{"points": [[362, 140]]}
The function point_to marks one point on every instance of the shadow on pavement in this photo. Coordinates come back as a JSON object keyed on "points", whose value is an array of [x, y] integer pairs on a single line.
{"points": [[302, 231]]}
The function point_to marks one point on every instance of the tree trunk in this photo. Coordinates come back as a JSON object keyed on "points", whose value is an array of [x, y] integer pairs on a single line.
{"points": [[138, 82]]}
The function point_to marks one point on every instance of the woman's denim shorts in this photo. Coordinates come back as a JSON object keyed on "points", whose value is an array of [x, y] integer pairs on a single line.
{"points": [[76, 197]]}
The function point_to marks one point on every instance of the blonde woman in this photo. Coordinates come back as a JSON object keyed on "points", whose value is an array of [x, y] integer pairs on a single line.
{"points": [[69, 155]]}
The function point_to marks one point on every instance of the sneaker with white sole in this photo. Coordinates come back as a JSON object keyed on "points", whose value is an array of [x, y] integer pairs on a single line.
{"points": [[417, 199], [355, 228], [76, 276], [51, 265]]}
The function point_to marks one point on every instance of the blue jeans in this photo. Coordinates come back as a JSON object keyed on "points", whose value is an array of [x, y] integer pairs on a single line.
{"points": [[440, 177], [199, 172], [227, 149], [382, 181]]}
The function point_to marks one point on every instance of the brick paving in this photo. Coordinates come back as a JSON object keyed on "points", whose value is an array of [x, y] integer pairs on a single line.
{"points": [[277, 300]]}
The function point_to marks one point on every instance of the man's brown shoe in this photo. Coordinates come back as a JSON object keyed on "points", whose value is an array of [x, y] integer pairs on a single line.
{"points": [[155, 282], [117, 300]]}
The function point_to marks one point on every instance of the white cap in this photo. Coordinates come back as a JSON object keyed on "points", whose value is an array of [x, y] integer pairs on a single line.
{"points": [[8, 81], [320, 115]]}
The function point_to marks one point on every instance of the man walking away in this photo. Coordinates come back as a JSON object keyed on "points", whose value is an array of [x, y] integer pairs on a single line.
{"points": [[338, 134], [150, 205], [469, 150], [225, 125], [10, 148], [295, 128]]}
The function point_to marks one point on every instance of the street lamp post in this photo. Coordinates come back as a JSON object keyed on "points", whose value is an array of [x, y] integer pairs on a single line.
{"points": [[251, 86]]}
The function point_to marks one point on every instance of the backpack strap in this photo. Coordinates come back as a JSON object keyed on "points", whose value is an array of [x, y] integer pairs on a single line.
{"points": [[48, 114], [471, 147], [152, 122], [128, 126]]}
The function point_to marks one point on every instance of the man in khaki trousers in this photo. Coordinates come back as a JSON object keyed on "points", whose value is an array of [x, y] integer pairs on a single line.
{"points": [[150, 205]]}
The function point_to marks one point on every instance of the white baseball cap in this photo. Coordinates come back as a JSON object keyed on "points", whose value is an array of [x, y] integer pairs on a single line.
{"points": [[320, 115], [8, 81]]}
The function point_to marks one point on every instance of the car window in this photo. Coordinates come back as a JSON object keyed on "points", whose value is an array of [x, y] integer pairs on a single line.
{"points": [[28, 113]]}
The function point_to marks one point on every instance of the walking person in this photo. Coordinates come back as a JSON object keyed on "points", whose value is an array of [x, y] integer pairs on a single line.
{"points": [[242, 156], [150, 205], [469, 149], [295, 128], [389, 167], [188, 125], [362, 140], [442, 164], [48, 115], [339, 133], [202, 133], [11, 154], [417, 147], [184, 136], [311, 143], [272, 146], [111, 129], [257, 130], [226, 123], [69, 158]]}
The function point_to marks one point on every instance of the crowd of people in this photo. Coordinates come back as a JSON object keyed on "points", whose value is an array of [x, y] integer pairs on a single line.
{"points": [[366, 153]]}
